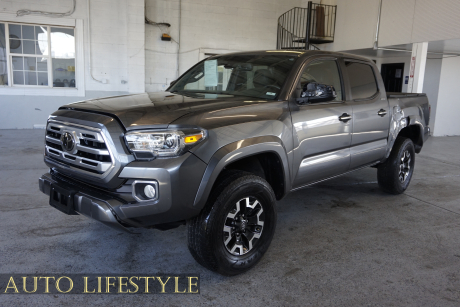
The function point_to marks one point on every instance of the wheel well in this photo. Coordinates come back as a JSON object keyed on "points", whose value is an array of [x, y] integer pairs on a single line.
{"points": [[414, 133], [266, 165]]}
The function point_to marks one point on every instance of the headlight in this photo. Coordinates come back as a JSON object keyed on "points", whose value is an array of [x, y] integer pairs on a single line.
{"points": [[150, 144]]}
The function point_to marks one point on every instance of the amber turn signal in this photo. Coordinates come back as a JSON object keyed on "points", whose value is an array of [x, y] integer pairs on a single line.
{"points": [[192, 138]]}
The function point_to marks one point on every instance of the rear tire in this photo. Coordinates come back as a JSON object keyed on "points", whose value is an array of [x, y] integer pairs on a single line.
{"points": [[235, 228], [395, 173]]}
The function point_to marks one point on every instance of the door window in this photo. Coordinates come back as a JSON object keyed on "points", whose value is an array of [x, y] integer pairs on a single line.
{"points": [[322, 72], [362, 80]]}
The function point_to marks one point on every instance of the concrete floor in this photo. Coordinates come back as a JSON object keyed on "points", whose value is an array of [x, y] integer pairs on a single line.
{"points": [[340, 243]]}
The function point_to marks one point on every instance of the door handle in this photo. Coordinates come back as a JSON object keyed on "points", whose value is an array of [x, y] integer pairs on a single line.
{"points": [[344, 117], [382, 113]]}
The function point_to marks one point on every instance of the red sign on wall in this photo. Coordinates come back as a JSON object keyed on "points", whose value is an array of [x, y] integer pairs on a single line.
{"points": [[412, 67]]}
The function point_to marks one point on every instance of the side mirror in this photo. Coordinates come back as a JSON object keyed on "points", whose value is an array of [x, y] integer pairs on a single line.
{"points": [[315, 92]]}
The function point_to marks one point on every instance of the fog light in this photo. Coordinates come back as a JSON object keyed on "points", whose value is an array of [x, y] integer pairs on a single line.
{"points": [[145, 190], [149, 191]]}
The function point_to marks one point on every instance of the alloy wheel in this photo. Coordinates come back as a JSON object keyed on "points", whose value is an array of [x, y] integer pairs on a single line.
{"points": [[243, 226], [404, 166]]}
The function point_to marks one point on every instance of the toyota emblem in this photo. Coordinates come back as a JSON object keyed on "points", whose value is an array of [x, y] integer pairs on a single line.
{"points": [[68, 141]]}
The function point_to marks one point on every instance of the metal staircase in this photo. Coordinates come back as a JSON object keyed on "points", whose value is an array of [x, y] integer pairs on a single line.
{"points": [[303, 28]]}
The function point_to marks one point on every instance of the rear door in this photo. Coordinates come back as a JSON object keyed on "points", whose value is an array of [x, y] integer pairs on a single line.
{"points": [[371, 118], [321, 131]]}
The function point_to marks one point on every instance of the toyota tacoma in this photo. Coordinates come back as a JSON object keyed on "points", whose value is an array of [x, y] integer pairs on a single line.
{"points": [[227, 140]]}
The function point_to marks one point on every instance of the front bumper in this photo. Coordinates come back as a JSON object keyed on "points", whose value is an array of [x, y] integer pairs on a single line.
{"points": [[178, 181], [98, 209]]}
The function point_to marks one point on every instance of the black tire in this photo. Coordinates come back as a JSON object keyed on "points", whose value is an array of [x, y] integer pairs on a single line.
{"points": [[395, 173], [207, 238]]}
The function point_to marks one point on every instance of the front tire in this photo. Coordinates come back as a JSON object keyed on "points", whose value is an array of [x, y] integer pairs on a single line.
{"points": [[235, 229], [395, 173]]}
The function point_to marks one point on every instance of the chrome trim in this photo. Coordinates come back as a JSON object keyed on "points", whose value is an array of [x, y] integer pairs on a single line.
{"points": [[154, 183], [70, 159], [102, 152], [63, 155], [79, 130], [344, 117], [53, 140]]}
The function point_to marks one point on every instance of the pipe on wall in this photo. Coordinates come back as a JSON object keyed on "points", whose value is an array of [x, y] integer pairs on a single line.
{"points": [[89, 42], [178, 43]]}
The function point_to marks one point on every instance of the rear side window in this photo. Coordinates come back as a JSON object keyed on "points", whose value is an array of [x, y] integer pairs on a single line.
{"points": [[362, 80]]}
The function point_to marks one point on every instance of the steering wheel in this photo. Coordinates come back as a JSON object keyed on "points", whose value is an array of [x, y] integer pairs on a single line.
{"points": [[273, 86]]}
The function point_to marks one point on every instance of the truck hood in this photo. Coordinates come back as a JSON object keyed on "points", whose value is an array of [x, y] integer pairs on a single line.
{"points": [[160, 109]]}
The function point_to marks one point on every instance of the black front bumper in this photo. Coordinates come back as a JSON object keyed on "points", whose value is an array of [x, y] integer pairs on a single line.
{"points": [[94, 207]]}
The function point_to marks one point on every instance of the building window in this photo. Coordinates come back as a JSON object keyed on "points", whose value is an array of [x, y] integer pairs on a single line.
{"points": [[3, 63], [38, 55]]}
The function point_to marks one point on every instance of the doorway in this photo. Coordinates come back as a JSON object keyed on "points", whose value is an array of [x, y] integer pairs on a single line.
{"points": [[392, 75]]}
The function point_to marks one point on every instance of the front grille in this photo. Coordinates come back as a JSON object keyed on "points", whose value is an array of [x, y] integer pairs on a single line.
{"points": [[89, 152]]}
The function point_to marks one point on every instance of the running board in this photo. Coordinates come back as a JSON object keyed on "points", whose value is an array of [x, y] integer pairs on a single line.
{"points": [[356, 169]]}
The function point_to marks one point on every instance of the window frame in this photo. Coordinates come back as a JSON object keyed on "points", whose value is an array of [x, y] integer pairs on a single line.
{"points": [[341, 76], [373, 96], [41, 90]]}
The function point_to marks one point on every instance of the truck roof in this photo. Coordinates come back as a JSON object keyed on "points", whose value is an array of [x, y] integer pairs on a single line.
{"points": [[299, 53]]}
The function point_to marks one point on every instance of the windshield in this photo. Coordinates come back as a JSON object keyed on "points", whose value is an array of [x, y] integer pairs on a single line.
{"points": [[260, 76]]}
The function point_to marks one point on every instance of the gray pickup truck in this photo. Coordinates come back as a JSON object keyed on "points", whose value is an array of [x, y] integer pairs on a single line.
{"points": [[229, 138]]}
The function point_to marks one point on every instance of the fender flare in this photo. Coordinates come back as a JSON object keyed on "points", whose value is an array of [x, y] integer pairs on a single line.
{"points": [[416, 121], [236, 151]]}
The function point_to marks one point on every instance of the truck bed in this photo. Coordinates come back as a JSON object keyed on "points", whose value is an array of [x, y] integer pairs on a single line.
{"points": [[413, 104]]}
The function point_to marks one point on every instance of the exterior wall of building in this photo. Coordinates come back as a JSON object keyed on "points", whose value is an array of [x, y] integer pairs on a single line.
{"points": [[412, 21], [402, 22], [431, 85], [448, 106], [207, 27], [117, 38]]}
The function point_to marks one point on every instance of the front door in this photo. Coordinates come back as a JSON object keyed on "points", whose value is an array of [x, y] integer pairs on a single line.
{"points": [[322, 131]]}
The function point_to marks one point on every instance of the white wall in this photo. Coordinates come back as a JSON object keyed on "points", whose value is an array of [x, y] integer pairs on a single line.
{"points": [[448, 104], [117, 41], [431, 85], [355, 25], [208, 26], [402, 22], [412, 21]]}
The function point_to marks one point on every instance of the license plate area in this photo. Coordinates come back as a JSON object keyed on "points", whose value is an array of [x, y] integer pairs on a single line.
{"points": [[62, 199]]}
